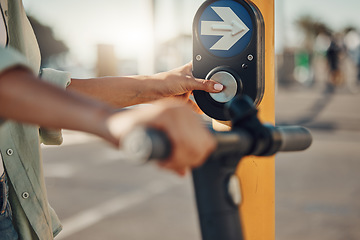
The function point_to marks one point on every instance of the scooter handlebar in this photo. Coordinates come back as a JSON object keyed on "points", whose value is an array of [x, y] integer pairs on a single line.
{"points": [[294, 138], [145, 144]]}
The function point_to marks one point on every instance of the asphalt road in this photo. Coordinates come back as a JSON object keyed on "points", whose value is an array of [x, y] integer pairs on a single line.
{"points": [[99, 194]]}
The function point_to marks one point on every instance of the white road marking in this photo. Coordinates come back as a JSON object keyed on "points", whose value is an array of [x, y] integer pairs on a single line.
{"points": [[96, 214], [59, 170]]}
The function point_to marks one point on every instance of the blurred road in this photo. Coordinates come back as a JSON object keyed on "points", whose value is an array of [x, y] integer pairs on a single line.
{"points": [[98, 194], [318, 191]]}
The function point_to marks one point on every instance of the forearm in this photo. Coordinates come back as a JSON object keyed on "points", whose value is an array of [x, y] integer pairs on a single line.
{"points": [[126, 91], [119, 91], [25, 98]]}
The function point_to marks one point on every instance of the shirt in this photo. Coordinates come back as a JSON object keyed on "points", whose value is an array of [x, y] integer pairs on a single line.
{"points": [[3, 43], [3, 31], [20, 143]]}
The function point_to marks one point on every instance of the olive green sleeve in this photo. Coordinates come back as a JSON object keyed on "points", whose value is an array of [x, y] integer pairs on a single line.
{"points": [[10, 58], [62, 80]]}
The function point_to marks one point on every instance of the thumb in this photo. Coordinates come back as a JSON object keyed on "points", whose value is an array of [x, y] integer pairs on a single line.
{"points": [[208, 85]]}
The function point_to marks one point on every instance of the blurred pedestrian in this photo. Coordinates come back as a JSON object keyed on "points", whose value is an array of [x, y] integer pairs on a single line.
{"points": [[33, 104], [352, 43], [333, 58]]}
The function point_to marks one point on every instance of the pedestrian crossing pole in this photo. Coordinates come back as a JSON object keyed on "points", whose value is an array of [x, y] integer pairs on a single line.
{"points": [[257, 174]]}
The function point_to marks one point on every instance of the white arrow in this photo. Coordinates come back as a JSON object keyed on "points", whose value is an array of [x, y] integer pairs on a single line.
{"points": [[231, 28]]}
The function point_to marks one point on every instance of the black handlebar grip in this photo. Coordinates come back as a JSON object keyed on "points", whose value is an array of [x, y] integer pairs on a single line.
{"points": [[239, 142], [294, 138], [144, 144]]}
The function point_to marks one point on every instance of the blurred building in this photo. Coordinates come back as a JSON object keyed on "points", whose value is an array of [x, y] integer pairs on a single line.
{"points": [[106, 61]]}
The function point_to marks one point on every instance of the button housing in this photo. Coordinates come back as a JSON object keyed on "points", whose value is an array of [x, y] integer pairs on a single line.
{"points": [[247, 67]]}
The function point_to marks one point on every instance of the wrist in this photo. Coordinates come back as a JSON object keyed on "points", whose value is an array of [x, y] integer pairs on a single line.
{"points": [[99, 124], [151, 87], [158, 85]]}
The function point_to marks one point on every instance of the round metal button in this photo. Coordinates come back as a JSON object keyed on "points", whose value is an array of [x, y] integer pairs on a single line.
{"points": [[230, 86], [25, 195], [9, 152]]}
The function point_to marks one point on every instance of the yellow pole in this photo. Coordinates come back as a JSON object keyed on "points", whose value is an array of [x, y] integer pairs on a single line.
{"points": [[257, 174]]}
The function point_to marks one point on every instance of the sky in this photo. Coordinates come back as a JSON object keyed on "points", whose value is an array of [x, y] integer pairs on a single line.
{"points": [[127, 24], [337, 14]]}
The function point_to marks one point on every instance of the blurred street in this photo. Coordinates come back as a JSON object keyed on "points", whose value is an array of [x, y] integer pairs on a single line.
{"points": [[98, 194], [317, 191]]}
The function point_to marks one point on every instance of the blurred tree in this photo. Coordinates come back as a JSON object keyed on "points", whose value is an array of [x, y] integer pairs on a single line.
{"points": [[312, 28], [304, 58], [50, 47]]}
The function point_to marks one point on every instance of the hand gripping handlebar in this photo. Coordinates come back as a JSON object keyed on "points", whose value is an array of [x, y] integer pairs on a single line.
{"points": [[247, 137]]}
